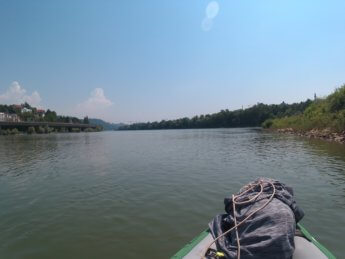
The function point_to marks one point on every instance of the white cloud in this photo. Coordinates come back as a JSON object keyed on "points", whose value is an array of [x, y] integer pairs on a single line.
{"points": [[211, 12], [15, 94], [95, 105]]}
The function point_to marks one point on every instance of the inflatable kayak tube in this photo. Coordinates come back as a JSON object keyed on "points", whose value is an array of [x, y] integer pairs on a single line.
{"points": [[306, 246]]}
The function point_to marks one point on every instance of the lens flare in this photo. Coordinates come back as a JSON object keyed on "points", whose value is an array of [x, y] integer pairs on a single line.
{"points": [[212, 10]]}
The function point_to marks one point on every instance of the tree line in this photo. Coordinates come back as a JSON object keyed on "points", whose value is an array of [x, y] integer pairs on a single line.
{"points": [[250, 117]]}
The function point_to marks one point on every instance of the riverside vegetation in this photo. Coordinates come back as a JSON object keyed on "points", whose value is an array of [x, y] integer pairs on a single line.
{"points": [[324, 118], [46, 130], [320, 118], [250, 117]]}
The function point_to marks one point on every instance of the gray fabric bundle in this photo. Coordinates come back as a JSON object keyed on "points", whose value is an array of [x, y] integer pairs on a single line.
{"points": [[267, 234]]}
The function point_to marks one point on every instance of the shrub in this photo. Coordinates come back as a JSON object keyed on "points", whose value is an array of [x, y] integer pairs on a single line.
{"points": [[40, 130], [3, 132], [75, 130], [14, 131], [31, 130], [89, 130], [267, 123]]}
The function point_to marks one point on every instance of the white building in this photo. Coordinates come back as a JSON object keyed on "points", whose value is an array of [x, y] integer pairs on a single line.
{"points": [[26, 110], [9, 117], [13, 117]]}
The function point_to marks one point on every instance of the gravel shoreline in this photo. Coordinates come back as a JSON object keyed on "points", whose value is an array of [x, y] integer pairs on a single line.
{"points": [[325, 134]]}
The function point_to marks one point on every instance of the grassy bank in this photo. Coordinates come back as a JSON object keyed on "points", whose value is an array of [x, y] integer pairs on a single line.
{"points": [[325, 113]]}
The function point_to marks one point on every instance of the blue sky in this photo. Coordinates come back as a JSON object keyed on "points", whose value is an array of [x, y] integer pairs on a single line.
{"points": [[129, 61]]}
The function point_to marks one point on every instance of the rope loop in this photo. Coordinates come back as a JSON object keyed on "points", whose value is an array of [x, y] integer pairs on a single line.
{"points": [[234, 203]]}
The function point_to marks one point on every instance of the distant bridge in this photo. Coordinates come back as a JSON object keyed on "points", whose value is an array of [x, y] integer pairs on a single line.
{"points": [[25, 124]]}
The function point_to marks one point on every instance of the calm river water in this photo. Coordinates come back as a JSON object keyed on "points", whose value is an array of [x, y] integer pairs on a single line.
{"points": [[144, 194]]}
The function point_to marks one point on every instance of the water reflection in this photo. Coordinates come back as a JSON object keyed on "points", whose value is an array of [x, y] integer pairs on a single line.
{"points": [[101, 191]]}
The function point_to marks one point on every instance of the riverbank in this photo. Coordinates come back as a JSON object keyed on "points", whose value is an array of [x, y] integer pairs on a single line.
{"points": [[324, 134], [323, 119], [45, 130], [14, 128]]}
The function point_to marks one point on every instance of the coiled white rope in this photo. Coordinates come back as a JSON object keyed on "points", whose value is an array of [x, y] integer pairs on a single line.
{"points": [[236, 225]]}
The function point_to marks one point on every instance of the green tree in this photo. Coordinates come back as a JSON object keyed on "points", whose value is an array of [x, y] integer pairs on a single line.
{"points": [[50, 116], [26, 105]]}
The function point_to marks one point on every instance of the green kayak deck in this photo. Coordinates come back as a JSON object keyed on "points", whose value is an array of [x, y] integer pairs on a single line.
{"points": [[306, 246]]}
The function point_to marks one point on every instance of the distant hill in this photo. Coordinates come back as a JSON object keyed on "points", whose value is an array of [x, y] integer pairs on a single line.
{"points": [[106, 125]]}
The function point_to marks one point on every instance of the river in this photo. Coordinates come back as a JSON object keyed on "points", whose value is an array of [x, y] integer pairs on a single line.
{"points": [[144, 194]]}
